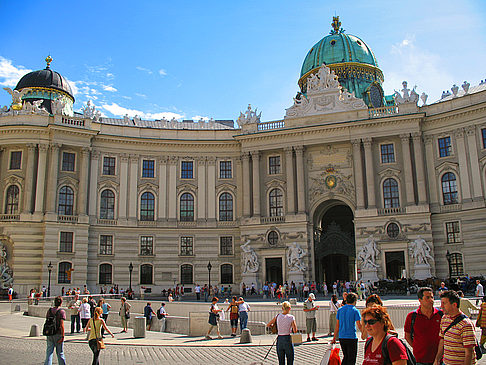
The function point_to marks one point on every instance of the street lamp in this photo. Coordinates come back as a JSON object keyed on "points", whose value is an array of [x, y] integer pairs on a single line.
{"points": [[448, 257], [130, 269], [209, 273], [49, 268]]}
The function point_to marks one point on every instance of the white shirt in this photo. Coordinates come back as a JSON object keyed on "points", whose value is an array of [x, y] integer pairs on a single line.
{"points": [[243, 307], [197, 289], [479, 290], [284, 324], [85, 311]]}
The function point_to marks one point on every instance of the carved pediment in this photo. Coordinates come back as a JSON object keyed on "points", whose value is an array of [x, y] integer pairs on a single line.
{"points": [[186, 187], [389, 172], [109, 184], [13, 180], [68, 180], [148, 186], [225, 187], [446, 166], [275, 183]]}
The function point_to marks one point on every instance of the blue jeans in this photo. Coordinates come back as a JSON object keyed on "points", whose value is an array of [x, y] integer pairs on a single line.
{"points": [[243, 320], [285, 348], [52, 342]]}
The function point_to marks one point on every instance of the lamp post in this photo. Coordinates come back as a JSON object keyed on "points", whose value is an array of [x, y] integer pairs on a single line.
{"points": [[49, 268], [209, 273], [130, 269], [448, 257]]}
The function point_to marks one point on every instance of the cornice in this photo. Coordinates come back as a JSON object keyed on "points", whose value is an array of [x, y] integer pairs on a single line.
{"points": [[454, 114]]}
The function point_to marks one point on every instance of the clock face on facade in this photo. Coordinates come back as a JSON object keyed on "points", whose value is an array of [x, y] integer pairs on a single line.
{"points": [[376, 97]]}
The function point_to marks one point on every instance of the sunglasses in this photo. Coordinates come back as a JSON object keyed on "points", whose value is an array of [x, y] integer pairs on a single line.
{"points": [[370, 321]]}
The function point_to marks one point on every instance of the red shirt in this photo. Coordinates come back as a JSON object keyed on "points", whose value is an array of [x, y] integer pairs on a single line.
{"points": [[425, 335], [396, 351]]}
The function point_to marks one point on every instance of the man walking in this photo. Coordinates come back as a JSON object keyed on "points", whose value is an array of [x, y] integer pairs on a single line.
{"points": [[347, 319], [57, 340], [74, 311], [310, 309], [148, 312], [422, 327], [197, 290], [457, 339]]}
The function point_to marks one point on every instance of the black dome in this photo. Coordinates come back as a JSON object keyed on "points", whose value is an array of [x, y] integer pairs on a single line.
{"points": [[46, 79]]}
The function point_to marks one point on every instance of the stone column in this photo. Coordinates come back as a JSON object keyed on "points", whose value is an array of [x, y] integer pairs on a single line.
{"points": [[123, 193], [173, 188], [370, 174], [463, 170], [41, 178], [432, 179], [162, 188], [358, 173], [52, 181], [83, 181], [419, 167], [289, 164], [133, 188], [29, 179], [474, 162], [201, 188], [245, 157], [211, 185], [407, 168], [93, 183], [255, 159], [299, 162]]}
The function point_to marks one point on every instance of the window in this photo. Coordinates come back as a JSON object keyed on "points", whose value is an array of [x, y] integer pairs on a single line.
{"points": [[147, 207], [445, 148], [455, 264], [105, 274], [15, 160], [449, 188], [64, 273], [453, 232], [107, 204], [146, 246], [109, 165], [392, 230], [66, 240], [390, 193], [106, 244], [186, 274], [226, 274], [274, 165], [483, 136], [187, 208], [387, 153], [12, 201], [226, 245], [225, 170], [146, 274], [187, 246], [148, 168], [226, 207], [187, 170], [272, 238], [66, 201], [68, 160], [276, 203]]}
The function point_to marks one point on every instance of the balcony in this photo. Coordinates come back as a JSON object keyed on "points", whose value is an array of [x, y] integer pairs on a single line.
{"points": [[391, 211], [67, 218], [9, 217], [382, 112], [268, 220], [107, 222], [279, 124], [147, 223], [450, 208]]}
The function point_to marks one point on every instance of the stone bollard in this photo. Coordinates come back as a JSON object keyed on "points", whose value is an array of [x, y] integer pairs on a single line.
{"points": [[17, 308], [139, 327], [293, 301], [245, 336], [34, 331]]}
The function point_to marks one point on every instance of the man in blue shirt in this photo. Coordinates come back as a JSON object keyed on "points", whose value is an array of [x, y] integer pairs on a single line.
{"points": [[148, 312], [348, 317]]}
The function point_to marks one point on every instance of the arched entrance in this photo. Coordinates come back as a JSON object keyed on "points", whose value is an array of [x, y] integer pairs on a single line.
{"points": [[334, 244]]}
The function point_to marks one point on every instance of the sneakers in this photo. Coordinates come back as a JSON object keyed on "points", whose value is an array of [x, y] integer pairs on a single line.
{"points": [[314, 339], [233, 335], [220, 337], [208, 337]]}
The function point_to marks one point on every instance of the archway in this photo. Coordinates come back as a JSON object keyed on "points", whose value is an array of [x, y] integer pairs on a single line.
{"points": [[334, 244]]}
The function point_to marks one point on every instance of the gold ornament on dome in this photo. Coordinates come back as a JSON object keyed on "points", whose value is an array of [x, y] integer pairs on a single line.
{"points": [[48, 61]]}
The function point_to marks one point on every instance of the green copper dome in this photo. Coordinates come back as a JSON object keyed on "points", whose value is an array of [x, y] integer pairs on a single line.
{"points": [[351, 59]]}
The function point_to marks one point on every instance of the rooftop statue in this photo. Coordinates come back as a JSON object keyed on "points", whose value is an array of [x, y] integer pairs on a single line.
{"points": [[91, 112], [249, 117], [16, 97], [407, 95], [57, 106]]}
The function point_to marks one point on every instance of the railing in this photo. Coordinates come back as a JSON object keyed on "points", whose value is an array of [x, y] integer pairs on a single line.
{"points": [[186, 223], [107, 222], [271, 125], [391, 211], [67, 218], [147, 223], [227, 223], [383, 111], [75, 122], [9, 217], [450, 208], [279, 219]]}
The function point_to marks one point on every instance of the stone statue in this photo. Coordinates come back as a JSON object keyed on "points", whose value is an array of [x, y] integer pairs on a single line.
{"points": [[465, 86], [6, 275], [368, 253], [420, 251], [249, 259], [455, 90], [57, 106], [407, 96], [91, 112], [16, 97], [34, 107], [424, 97], [295, 258], [249, 117]]}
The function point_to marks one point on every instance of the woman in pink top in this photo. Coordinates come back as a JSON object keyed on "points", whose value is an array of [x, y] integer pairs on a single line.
{"points": [[285, 325]]}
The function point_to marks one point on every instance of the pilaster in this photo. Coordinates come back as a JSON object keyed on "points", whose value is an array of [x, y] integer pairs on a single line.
{"points": [[53, 169], [289, 164], [419, 167], [358, 173], [173, 161], [41, 179], [123, 193], [432, 180], [463, 170], [211, 185], [245, 157], [299, 162], [162, 188], [93, 183], [370, 174], [29, 179], [133, 185], [407, 168], [201, 188], [255, 159], [474, 162], [83, 181]]}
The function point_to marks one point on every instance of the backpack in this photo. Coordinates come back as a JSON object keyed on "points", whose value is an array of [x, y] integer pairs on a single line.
{"points": [[160, 315], [50, 326], [384, 350], [477, 348], [414, 317]]}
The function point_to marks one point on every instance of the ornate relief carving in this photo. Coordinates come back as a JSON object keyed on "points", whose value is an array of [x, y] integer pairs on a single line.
{"points": [[331, 182], [43, 147], [13, 180], [108, 184], [275, 183], [471, 130], [187, 187], [124, 157], [148, 186], [95, 155], [459, 132], [173, 160], [389, 172], [211, 161], [225, 187], [68, 180], [250, 117]]}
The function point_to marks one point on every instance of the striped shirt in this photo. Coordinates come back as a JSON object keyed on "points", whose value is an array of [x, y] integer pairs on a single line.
{"points": [[284, 324], [456, 339]]}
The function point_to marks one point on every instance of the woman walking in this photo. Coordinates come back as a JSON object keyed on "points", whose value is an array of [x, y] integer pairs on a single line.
{"points": [[124, 313], [214, 319], [233, 309], [106, 311], [285, 325], [333, 308], [85, 313], [96, 323]]}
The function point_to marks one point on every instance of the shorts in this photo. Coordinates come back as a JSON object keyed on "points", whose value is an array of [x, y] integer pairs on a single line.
{"points": [[148, 320], [311, 325]]}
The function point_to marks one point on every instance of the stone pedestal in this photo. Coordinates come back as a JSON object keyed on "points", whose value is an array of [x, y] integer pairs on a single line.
{"points": [[246, 336], [139, 327], [34, 331], [296, 276], [370, 275], [422, 272], [249, 278]]}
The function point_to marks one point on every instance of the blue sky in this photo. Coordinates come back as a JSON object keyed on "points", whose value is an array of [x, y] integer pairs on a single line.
{"points": [[209, 59]]}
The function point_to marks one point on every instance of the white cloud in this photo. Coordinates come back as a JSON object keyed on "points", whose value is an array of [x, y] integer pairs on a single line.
{"points": [[162, 72], [10, 74], [140, 68], [197, 118], [141, 95], [110, 75], [118, 110], [109, 88]]}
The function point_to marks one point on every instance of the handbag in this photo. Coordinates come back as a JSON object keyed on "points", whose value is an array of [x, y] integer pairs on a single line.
{"points": [[274, 327], [99, 341]]}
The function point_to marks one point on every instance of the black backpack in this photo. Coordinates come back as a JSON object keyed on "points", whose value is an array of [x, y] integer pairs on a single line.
{"points": [[159, 314], [50, 326], [384, 350]]}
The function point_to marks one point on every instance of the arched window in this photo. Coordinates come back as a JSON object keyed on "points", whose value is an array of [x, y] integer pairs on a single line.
{"points": [[106, 274], [226, 274], [66, 201], [390, 193], [146, 274], [107, 204], [276, 203], [186, 274], [226, 207], [147, 207], [187, 208], [12, 201], [449, 188], [456, 266], [64, 273]]}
